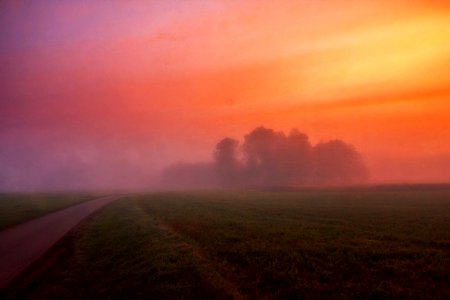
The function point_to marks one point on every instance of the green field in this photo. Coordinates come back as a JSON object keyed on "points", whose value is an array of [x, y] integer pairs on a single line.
{"points": [[196, 245], [16, 208]]}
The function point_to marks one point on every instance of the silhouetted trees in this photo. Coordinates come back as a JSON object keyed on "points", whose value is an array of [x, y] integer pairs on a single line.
{"points": [[227, 164], [337, 163], [271, 158]]}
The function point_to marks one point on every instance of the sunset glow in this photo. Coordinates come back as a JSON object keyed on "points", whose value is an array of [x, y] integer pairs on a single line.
{"points": [[117, 91]]}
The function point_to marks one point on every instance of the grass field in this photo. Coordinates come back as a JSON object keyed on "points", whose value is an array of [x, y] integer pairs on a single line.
{"points": [[335, 244], [16, 208]]}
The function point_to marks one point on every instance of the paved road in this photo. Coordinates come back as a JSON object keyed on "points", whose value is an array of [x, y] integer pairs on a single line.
{"points": [[23, 244]]}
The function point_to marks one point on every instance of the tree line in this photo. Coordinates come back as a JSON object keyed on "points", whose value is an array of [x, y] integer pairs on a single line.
{"points": [[269, 158]]}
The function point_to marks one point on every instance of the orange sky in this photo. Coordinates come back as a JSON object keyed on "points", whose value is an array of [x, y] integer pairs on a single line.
{"points": [[163, 81]]}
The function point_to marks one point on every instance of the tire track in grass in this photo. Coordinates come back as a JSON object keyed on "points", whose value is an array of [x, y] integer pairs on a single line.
{"points": [[209, 271]]}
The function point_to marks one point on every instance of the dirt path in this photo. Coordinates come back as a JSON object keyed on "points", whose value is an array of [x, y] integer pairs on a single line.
{"points": [[23, 244]]}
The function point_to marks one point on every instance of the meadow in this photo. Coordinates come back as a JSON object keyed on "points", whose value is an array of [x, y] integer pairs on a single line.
{"points": [[16, 208], [342, 244]]}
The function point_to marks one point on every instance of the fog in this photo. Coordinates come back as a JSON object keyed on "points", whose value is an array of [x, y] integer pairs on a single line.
{"points": [[260, 157], [31, 165], [268, 158], [42, 160], [101, 97]]}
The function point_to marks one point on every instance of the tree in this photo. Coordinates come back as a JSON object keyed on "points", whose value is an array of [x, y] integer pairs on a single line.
{"points": [[260, 152], [227, 163], [272, 158], [336, 163], [295, 158]]}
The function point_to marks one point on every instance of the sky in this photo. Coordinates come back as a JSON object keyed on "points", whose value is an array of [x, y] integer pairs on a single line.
{"points": [[96, 94]]}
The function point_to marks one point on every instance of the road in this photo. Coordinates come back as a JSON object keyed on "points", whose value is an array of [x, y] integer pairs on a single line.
{"points": [[22, 245]]}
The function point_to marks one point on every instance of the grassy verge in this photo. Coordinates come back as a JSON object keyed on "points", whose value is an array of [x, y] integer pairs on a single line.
{"points": [[16, 208], [374, 244], [119, 254]]}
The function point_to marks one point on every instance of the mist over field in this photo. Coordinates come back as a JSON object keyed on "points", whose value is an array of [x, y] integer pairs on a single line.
{"points": [[95, 97], [265, 158]]}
